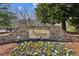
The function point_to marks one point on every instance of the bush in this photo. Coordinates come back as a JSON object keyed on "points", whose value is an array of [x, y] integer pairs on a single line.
{"points": [[41, 48]]}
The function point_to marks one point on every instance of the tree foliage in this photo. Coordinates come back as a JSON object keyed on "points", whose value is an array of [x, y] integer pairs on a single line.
{"points": [[74, 19], [49, 13], [5, 15]]}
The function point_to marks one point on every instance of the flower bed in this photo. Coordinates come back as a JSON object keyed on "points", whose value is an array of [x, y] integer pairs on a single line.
{"points": [[41, 48]]}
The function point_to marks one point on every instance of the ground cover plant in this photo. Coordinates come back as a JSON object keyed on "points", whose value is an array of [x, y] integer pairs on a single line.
{"points": [[41, 48]]}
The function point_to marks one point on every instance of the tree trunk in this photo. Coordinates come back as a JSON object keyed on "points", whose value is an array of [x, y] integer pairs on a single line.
{"points": [[64, 24]]}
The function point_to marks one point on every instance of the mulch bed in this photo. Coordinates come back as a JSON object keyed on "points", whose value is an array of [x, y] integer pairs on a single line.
{"points": [[5, 50]]}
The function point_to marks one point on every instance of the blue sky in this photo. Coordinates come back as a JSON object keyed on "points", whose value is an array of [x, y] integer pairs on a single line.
{"points": [[29, 6]]}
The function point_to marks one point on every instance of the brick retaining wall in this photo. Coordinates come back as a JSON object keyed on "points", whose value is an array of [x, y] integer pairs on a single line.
{"points": [[21, 32]]}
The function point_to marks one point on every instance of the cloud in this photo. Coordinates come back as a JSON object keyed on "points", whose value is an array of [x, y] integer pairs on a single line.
{"points": [[35, 5], [19, 7]]}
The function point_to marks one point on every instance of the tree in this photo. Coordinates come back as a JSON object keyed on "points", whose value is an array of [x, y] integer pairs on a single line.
{"points": [[5, 18], [51, 13], [57, 13]]}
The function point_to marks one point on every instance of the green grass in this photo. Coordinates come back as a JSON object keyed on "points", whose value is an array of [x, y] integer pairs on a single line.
{"points": [[70, 28]]}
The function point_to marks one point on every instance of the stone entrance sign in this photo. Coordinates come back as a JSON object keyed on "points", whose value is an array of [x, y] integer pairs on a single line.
{"points": [[39, 33]]}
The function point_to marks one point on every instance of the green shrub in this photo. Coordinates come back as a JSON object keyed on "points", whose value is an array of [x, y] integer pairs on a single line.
{"points": [[41, 48]]}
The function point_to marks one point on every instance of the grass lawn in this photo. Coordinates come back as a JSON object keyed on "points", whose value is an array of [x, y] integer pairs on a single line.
{"points": [[70, 28]]}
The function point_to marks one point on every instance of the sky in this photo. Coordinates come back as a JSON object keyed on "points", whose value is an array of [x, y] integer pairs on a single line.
{"points": [[29, 6]]}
